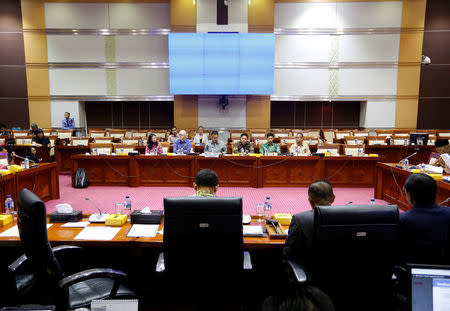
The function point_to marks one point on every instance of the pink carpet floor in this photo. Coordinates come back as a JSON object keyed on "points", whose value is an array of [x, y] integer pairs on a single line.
{"points": [[285, 200]]}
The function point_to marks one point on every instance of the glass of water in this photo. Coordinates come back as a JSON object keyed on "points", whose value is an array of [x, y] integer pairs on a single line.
{"points": [[118, 208], [260, 212]]}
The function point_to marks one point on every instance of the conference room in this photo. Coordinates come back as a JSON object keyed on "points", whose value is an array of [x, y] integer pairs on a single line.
{"points": [[224, 155]]}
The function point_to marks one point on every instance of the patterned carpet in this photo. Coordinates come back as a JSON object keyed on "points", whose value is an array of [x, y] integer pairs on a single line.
{"points": [[286, 200]]}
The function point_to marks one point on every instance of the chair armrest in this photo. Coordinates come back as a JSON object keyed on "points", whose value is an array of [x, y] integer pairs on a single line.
{"points": [[17, 263], [91, 274], [247, 261], [160, 265], [58, 249], [297, 271]]}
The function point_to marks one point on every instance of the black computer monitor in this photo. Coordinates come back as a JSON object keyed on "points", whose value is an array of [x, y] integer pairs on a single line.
{"points": [[418, 139], [203, 233]]}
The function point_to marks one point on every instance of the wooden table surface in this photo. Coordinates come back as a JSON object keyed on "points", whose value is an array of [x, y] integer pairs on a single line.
{"points": [[58, 235], [390, 182]]}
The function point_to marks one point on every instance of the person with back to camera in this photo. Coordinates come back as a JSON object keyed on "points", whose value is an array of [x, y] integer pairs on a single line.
{"points": [[425, 228], [153, 145], [206, 183], [298, 245]]}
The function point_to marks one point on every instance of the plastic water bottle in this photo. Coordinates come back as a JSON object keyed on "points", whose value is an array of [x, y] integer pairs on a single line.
{"points": [[296, 150], [9, 205], [267, 208], [372, 201], [242, 150], [27, 163], [406, 164], [121, 150], [422, 167], [127, 205], [359, 152], [95, 151]]}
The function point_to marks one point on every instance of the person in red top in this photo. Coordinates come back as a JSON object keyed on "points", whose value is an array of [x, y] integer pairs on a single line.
{"points": [[153, 145]]}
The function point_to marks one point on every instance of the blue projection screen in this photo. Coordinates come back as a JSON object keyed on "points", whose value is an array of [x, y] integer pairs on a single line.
{"points": [[221, 63]]}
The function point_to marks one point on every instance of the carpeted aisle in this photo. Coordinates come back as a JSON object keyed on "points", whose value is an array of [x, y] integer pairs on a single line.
{"points": [[286, 200]]}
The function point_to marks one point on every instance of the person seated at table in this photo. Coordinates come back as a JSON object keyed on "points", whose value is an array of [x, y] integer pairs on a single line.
{"points": [[200, 137], [442, 147], [270, 146], [298, 245], [425, 228], [243, 146], [206, 183], [68, 123], [182, 144], [173, 135], [32, 155], [215, 145], [41, 140], [153, 145], [4, 131], [33, 130], [300, 147]]}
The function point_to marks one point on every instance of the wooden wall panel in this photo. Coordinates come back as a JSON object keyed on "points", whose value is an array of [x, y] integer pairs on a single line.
{"points": [[183, 16], [261, 16], [258, 111], [185, 111]]}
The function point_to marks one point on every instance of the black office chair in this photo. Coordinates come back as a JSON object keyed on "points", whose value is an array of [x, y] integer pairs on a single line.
{"points": [[203, 250], [48, 282], [354, 252]]}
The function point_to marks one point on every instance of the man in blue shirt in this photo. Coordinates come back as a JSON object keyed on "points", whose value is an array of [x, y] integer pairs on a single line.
{"points": [[68, 123], [182, 144], [425, 228]]}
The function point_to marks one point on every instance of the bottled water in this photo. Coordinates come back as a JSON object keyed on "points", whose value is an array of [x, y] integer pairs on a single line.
{"points": [[127, 205], [242, 150], [121, 151], [406, 164], [359, 152], [267, 208], [296, 150], [95, 151], [27, 163], [9, 205], [372, 201]]}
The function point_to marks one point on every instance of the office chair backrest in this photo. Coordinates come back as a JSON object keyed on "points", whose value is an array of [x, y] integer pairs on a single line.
{"points": [[355, 247], [202, 235], [32, 224]]}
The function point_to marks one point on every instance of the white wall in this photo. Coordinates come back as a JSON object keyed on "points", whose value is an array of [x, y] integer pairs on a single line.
{"points": [[212, 116], [59, 107], [378, 114]]}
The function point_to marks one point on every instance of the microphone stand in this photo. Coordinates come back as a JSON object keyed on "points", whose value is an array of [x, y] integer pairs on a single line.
{"points": [[403, 160], [99, 217]]}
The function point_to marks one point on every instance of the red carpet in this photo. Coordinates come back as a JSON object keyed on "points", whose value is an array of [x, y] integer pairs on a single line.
{"points": [[286, 200]]}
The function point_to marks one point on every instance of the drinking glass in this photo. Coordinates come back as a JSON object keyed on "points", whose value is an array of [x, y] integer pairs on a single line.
{"points": [[119, 208], [260, 212]]}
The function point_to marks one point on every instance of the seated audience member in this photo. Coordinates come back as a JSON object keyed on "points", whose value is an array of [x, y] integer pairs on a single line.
{"points": [[322, 138], [33, 130], [41, 140], [442, 147], [300, 147], [173, 135], [153, 145], [425, 228], [243, 145], [4, 131], [206, 183], [200, 137], [305, 298], [68, 123], [270, 146], [215, 145], [33, 155], [182, 144], [298, 246]]}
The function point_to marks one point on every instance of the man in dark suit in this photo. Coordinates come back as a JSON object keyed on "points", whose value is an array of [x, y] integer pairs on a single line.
{"points": [[298, 246], [425, 228]]}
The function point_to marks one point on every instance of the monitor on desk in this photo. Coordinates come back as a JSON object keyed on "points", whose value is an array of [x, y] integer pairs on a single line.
{"points": [[430, 288], [420, 139]]}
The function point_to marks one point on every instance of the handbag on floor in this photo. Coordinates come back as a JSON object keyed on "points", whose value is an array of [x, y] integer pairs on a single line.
{"points": [[81, 179]]}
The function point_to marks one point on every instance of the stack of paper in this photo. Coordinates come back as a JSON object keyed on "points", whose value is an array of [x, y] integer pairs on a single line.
{"points": [[143, 231], [14, 232], [98, 233], [255, 231]]}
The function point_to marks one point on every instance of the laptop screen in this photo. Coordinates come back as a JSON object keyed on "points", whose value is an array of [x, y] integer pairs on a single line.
{"points": [[3, 158], [430, 289]]}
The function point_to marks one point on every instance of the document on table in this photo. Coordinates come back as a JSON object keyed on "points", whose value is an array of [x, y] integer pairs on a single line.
{"points": [[14, 232], [143, 231], [115, 305], [80, 224], [98, 233], [255, 231]]}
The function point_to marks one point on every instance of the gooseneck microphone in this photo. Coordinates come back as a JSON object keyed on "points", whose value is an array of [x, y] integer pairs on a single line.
{"points": [[99, 217]]}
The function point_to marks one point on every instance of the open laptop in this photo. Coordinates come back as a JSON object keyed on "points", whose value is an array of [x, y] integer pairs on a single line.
{"points": [[430, 288]]}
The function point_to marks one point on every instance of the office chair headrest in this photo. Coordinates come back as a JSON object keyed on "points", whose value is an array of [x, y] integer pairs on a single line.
{"points": [[356, 215], [211, 205]]}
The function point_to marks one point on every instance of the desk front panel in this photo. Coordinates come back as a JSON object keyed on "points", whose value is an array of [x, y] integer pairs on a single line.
{"points": [[42, 180], [104, 170], [163, 170], [350, 171], [63, 156], [232, 171], [42, 152], [7, 187], [289, 171]]}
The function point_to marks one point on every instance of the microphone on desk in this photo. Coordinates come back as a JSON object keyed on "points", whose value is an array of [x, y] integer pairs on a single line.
{"points": [[18, 156], [445, 201], [99, 217], [402, 160]]}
